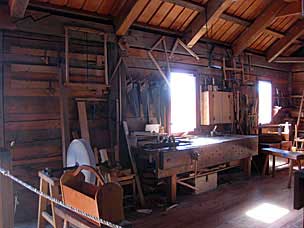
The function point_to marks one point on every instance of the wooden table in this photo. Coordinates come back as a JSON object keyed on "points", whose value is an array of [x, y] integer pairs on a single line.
{"points": [[294, 157]]}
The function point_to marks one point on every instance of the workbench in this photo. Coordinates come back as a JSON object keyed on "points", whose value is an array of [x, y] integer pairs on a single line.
{"points": [[201, 153]]}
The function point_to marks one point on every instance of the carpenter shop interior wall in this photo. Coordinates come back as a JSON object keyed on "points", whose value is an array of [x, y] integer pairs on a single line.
{"points": [[31, 90]]}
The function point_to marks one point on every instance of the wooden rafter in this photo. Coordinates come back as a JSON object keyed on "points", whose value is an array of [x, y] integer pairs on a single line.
{"points": [[293, 9], [281, 45], [129, 13], [258, 26], [187, 4], [289, 60], [18, 7], [205, 20]]}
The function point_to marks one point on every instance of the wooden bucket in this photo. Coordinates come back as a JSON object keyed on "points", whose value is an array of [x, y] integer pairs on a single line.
{"points": [[102, 201]]}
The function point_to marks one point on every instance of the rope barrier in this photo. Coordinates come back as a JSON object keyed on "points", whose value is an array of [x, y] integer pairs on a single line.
{"points": [[56, 201]]}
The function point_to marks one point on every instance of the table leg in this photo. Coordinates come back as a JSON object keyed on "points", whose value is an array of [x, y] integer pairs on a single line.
{"points": [[172, 188], [247, 166], [42, 204], [134, 189], [65, 224], [266, 164], [290, 173], [273, 166], [299, 164]]}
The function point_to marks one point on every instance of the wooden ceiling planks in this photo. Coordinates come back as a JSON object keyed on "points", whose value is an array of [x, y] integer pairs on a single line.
{"points": [[167, 15], [188, 21], [181, 19], [282, 24], [149, 11], [92, 5], [161, 13], [171, 16]]}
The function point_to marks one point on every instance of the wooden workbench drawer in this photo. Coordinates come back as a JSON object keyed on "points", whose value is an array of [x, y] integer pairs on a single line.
{"points": [[171, 159]]}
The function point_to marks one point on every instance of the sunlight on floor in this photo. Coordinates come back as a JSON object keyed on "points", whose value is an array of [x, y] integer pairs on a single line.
{"points": [[267, 213]]}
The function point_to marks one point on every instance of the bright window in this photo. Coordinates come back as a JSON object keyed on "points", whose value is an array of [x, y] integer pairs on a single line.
{"points": [[183, 102], [265, 102]]}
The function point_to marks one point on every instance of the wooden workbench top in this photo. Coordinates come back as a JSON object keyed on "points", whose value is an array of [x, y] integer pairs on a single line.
{"points": [[202, 141]]}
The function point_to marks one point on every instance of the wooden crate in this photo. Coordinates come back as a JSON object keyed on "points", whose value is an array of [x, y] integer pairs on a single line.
{"points": [[205, 183]]}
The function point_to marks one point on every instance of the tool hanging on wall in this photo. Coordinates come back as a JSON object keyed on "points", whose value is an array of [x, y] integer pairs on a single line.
{"points": [[163, 41], [183, 45]]}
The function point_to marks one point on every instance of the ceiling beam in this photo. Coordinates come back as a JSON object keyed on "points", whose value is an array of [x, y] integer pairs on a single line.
{"points": [[246, 23], [258, 26], [205, 20], [237, 20], [281, 45], [187, 4], [289, 60], [128, 15], [293, 9], [18, 7]]}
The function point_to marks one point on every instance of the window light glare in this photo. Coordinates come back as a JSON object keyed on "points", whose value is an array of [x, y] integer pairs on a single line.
{"points": [[267, 213], [265, 102], [183, 102]]}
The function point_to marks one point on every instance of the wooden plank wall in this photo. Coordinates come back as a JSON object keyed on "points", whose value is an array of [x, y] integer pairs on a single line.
{"points": [[297, 79], [31, 108]]}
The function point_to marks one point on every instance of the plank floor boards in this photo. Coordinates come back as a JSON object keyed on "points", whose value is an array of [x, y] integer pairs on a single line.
{"points": [[226, 206]]}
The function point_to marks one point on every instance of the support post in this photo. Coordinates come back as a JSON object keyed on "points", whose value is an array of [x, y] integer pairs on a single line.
{"points": [[6, 192], [2, 136], [64, 116], [172, 188]]}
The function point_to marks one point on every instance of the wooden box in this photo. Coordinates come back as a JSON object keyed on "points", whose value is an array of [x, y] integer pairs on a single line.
{"points": [[206, 183], [102, 201], [216, 107]]}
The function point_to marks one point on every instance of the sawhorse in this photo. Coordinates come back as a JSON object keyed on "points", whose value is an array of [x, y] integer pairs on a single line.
{"points": [[48, 185]]}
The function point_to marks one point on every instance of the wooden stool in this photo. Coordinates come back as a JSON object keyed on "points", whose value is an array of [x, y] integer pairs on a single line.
{"points": [[128, 180], [48, 185]]}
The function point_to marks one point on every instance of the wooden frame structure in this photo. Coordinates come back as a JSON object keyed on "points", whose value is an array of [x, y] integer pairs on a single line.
{"points": [[84, 30]]}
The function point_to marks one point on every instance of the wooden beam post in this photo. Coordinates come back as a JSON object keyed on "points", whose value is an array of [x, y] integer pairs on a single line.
{"points": [[258, 26], [281, 45], [289, 60], [205, 20], [2, 136], [6, 192], [129, 14], [18, 7], [64, 116]]}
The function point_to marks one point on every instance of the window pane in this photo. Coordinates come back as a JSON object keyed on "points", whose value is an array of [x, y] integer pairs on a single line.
{"points": [[265, 102], [183, 102]]}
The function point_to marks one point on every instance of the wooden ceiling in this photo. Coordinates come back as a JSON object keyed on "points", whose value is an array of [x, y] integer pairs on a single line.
{"points": [[254, 24]]}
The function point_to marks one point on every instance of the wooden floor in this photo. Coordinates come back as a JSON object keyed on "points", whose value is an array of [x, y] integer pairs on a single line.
{"points": [[226, 207]]}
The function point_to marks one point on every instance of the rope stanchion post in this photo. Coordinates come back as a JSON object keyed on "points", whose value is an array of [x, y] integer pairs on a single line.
{"points": [[6, 173]]}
